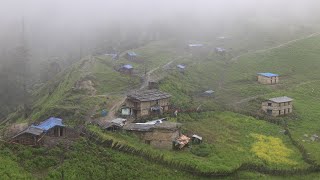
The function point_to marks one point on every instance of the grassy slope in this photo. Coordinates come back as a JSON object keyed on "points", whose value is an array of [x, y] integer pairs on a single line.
{"points": [[80, 161], [238, 83], [229, 138], [298, 65]]}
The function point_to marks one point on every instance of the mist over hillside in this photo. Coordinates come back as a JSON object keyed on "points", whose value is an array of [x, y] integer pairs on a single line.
{"points": [[71, 70]]}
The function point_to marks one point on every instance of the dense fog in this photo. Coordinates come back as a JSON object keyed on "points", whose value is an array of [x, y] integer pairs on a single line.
{"points": [[64, 31]]}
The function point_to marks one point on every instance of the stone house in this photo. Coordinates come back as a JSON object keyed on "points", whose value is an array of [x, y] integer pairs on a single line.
{"points": [[278, 106], [158, 134], [147, 102], [36, 135], [131, 56], [268, 78], [220, 51]]}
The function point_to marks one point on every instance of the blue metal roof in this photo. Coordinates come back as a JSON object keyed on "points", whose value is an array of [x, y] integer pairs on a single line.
{"points": [[130, 53], [268, 74], [127, 66], [49, 123], [181, 66]]}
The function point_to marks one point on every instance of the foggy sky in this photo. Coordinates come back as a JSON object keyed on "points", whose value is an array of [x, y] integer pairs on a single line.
{"points": [[53, 23]]}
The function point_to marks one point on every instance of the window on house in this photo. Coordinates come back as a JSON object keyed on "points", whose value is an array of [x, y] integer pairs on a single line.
{"points": [[279, 112], [285, 111], [147, 141], [269, 104]]}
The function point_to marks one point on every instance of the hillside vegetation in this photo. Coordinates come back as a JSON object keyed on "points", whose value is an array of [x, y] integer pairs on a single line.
{"points": [[231, 139]]}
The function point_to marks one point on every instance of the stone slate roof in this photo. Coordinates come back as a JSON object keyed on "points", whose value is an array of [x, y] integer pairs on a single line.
{"points": [[281, 99], [30, 130], [149, 95]]}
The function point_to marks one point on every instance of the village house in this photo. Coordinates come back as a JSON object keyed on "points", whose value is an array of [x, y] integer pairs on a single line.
{"points": [[126, 69], [208, 93], [196, 49], [220, 50], [36, 135], [181, 67], [278, 106], [268, 78], [131, 56], [146, 102], [195, 46], [159, 134]]}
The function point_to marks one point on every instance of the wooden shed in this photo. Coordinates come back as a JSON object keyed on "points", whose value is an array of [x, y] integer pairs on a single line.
{"points": [[278, 106], [268, 78], [126, 69], [36, 135]]}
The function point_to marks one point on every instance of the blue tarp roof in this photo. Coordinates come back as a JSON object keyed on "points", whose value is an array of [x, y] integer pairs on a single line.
{"points": [[195, 45], [268, 74], [130, 53], [127, 66], [49, 123], [181, 66]]}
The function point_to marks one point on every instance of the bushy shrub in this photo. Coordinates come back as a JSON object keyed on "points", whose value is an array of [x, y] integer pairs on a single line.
{"points": [[202, 150]]}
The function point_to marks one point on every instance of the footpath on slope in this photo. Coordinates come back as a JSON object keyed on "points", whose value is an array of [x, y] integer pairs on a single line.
{"points": [[145, 80]]}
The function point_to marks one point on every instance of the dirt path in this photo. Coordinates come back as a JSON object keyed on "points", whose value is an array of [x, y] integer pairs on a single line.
{"points": [[147, 77]]}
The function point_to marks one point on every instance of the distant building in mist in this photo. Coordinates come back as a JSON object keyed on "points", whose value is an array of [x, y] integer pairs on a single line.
{"points": [[268, 78]]}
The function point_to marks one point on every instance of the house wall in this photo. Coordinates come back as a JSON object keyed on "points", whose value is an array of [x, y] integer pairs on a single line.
{"points": [[161, 138], [144, 108], [277, 108], [27, 139], [268, 80]]}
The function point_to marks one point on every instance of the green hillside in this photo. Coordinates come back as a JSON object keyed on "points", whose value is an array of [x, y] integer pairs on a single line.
{"points": [[236, 134]]}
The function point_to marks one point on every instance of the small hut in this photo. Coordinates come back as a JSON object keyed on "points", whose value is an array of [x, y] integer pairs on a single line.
{"points": [[220, 51], [208, 93], [268, 78], [181, 67], [34, 134], [196, 139], [131, 56], [126, 69]]}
